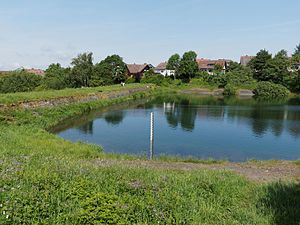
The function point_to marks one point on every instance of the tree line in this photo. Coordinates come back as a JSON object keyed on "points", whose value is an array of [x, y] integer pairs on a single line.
{"points": [[271, 74], [268, 75], [83, 73]]}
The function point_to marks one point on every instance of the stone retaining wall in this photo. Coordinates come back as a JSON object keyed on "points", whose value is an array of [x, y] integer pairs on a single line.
{"points": [[72, 99]]}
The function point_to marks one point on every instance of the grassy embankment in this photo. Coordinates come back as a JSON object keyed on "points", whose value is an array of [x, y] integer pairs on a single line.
{"points": [[47, 180]]}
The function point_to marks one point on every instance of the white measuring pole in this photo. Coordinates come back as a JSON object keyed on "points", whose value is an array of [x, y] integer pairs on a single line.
{"points": [[151, 134]]}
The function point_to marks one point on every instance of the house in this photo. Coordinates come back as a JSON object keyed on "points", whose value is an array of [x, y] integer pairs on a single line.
{"points": [[162, 69], [137, 70], [35, 71], [297, 66], [294, 67], [244, 60], [209, 65]]}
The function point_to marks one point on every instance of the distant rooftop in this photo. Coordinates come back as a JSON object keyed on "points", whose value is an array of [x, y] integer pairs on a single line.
{"points": [[36, 71], [246, 59], [136, 68], [161, 66], [210, 64]]}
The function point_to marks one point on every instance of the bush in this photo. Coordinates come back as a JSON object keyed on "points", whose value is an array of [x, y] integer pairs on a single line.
{"points": [[177, 82], [218, 79], [102, 208], [130, 80], [230, 90], [266, 89], [19, 82], [202, 74], [241, 77], [199, 81], [153, 78], [292, 81]]}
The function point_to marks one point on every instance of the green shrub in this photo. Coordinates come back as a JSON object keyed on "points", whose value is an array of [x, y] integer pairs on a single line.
{"points": [[230, 90], [101, 208], [130, 80], [202, 74], [167, 81], [19, 82], [241, 77], [218, 79], [199, 81], [153, 79], [266, 89], [177, 82]]}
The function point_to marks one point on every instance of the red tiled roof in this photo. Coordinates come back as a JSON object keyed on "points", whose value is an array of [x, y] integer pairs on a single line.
{"points": [[36, 71], [246, 59], [210, 64], [162, 66], [136, 68]]}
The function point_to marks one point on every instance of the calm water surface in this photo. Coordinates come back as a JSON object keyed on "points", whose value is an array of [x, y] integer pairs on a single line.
{"points": [[236, 130]]}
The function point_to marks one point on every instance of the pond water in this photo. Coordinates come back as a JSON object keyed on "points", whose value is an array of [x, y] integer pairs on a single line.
{"points": [[206, 127]]}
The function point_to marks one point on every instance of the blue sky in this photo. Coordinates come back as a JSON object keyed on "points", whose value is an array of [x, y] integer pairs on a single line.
{"points": [[35, 33]]}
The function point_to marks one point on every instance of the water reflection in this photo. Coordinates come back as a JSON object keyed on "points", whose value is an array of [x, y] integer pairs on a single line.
{"points": [[261, 118], [180, 113], [183, 112], [114, 118], [87, 128], [191, 126]]}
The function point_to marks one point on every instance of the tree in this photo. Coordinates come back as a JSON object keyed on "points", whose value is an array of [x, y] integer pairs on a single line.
{"points": [[240, 76], [233, 66], [173, 62], [276, 68], [218, 69], [297, 50], [293, 81], [109, 71], [258, 63], [56, 77], [296, 55], [188, 66], [82, 70]]}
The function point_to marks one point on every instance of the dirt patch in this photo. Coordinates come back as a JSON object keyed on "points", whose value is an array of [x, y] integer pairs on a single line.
{"points": [[259, 172]]}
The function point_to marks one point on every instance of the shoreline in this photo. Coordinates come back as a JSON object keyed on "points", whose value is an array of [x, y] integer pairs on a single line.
{"points": [[95, 101]]}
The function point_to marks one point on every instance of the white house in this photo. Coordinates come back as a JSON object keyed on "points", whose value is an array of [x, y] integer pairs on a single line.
{"points": [[162, 69]]}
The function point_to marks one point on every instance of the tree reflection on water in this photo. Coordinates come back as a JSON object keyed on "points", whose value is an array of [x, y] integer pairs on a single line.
{"points": [[260, 116]]}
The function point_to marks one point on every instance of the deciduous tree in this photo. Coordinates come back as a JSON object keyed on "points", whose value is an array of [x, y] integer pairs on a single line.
{"points": [[109, 71], [173, 62], [82, 70], [56, 77], [188, 66], [258, 63]]}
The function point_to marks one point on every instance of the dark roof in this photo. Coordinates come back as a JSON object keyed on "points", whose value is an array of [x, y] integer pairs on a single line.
{"points": [[136, 68], [162, 66], [210, 64]]}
